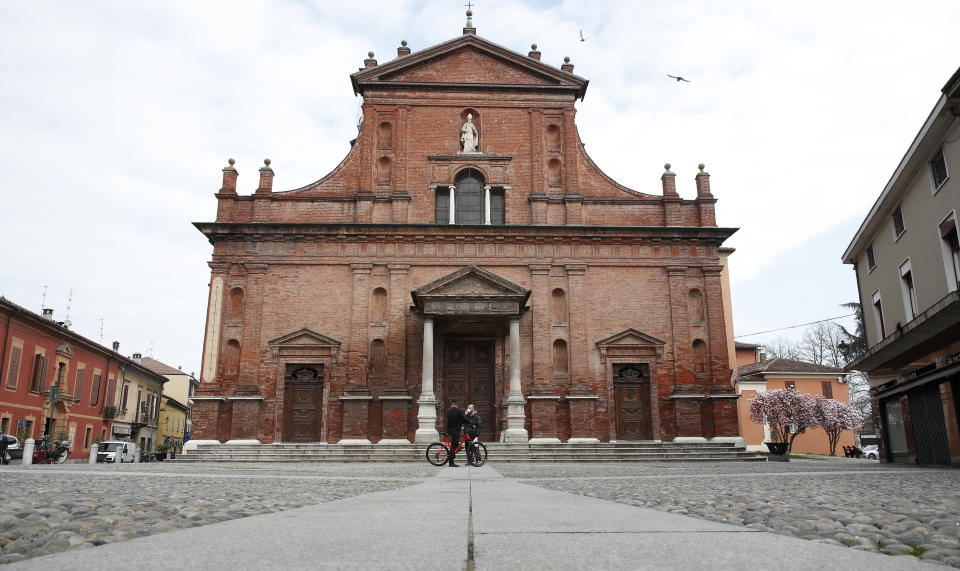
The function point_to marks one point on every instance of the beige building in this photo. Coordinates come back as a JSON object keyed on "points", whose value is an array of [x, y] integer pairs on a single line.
{"points": [[907, 262], [174, 422], [138, 405]]}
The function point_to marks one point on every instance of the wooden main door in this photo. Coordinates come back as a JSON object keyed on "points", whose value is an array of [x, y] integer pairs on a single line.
{"points": [[303, 397], [468, 373], [631, 385]]}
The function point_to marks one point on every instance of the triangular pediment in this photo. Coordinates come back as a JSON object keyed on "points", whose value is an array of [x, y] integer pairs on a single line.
{"points": [[471, 281], [631, 337], [305, 338], [471, 289], [65, 351], [469, 65], [465, 62]]}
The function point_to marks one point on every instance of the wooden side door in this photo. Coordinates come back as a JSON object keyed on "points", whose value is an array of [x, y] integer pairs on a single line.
{"points": [[633, 411], [303, 397]]}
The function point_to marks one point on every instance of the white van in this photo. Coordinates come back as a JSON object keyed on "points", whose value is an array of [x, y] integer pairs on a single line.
{"points": [[115, 451]]}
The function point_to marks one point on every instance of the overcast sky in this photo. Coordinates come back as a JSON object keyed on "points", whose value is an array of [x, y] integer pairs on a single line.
{"points": [[116, 118]]}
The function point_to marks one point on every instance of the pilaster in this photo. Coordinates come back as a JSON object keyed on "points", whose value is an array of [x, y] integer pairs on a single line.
{"points": [[542, 344], [579, 349], [248, 382], [396, 332]]}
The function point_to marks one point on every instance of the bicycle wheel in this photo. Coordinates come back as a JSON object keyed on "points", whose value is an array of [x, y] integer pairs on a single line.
{"points": [[62, 457], [478, 454], [437, 454]]}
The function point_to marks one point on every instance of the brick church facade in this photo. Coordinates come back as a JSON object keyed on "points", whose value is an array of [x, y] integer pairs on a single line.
{"points": [[466, 249]]}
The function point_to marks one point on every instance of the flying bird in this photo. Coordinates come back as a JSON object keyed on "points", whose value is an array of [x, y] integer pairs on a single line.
{"points": [[583, 39], [678, 78]]}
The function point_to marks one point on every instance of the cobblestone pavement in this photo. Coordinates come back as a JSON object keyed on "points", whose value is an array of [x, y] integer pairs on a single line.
{"points": [[48, 509], [859, 504]]}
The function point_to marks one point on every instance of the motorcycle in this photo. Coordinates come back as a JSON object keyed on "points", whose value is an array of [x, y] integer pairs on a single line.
{"points": [[49, 451], [7, 441]]}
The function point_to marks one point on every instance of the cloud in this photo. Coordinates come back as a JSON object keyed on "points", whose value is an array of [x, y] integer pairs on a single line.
{"points": [[118, 117]]}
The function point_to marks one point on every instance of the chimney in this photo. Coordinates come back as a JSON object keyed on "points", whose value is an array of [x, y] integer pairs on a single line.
{"points": [[703, 183], [229, 178], [116, 346], [47, 313], [266, 178], [669, 181], [533, 52], [137, 358], [468, 28], [567, 66], [403, 50], [369, 62]]}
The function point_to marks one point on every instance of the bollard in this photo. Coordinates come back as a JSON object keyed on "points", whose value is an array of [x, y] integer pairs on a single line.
{"points": [[136, 454], [94, 448], [27, 452]]}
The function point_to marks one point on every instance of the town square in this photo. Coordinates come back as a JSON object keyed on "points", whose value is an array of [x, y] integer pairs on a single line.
{"points": [[308, 285]]}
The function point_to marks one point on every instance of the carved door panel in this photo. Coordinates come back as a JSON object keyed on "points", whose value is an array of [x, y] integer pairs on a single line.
{"points": [[631, 385], [303, 397], [469, 378], [633, 411]]}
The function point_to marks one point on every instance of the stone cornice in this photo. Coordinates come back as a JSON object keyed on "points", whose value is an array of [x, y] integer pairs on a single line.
{"points": [[227, 231]]}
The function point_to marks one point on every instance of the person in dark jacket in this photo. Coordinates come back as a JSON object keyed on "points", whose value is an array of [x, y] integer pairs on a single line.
{"points": [[455, 421], [474, 422]]}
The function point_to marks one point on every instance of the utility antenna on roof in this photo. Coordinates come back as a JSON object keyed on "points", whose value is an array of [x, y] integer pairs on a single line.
{"points": [[150, 354], [43, 297], [69, 302], [101, 331]]}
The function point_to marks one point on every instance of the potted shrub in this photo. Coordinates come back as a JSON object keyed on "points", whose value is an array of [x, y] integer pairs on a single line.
{"points": [[787, 412], [162, 450]]}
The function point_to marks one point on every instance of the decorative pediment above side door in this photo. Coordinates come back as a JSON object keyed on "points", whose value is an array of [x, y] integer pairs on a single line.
{"points": [[631, 343], [305, 343]]}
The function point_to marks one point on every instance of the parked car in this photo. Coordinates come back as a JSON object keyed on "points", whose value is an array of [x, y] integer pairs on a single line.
{"points": [[115, 451], [871, 452]]}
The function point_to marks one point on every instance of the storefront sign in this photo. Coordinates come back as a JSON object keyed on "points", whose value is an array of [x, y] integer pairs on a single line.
{"points": [[123, 430]]}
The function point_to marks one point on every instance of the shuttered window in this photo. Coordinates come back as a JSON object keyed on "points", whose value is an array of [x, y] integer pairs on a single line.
{"points": [[78, 385], [39, 373], [14, 369], [95, 390], [827, 388], [790, 384]]}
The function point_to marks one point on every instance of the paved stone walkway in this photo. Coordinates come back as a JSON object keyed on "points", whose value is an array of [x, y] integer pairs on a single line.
{"points": [[49, 509], [898, 510], [859, 504]]}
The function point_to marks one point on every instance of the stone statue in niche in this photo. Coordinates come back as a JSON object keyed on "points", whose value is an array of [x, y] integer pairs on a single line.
{"points": [[469, 137]]}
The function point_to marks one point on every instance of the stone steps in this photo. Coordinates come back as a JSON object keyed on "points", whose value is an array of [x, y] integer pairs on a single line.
{"points": [[598, 452]]}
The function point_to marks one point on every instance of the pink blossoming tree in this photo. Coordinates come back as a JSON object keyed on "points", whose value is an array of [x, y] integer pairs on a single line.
{"points": [[788, 412], [834, 417]]}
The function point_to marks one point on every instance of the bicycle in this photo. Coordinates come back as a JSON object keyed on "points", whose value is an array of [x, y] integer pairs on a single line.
{"points": [[48, 451], [438, 453]]}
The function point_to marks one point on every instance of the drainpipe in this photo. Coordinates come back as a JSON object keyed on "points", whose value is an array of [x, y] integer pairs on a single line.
{"points": [[3, 349]]}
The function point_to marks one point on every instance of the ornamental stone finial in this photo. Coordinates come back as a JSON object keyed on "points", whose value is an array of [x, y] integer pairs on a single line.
{"points": [[666, 168], [701, 166], [266, 162]]}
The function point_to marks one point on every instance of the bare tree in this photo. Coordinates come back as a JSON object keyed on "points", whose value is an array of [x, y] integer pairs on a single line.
{"points": [[782, 348], [821, 344]]}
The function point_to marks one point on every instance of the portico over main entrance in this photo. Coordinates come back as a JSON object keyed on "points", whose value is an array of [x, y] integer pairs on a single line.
{"points": [[469, 309]]}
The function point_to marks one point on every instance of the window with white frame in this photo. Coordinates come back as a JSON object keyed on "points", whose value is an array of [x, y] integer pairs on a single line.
{"points": [[950, 249], [938, 170], [878, 315], [908, 290], [871, 259], [898, 226]]}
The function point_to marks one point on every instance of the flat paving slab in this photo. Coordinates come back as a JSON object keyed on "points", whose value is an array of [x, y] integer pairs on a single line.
{"points": [[469, 518]]}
